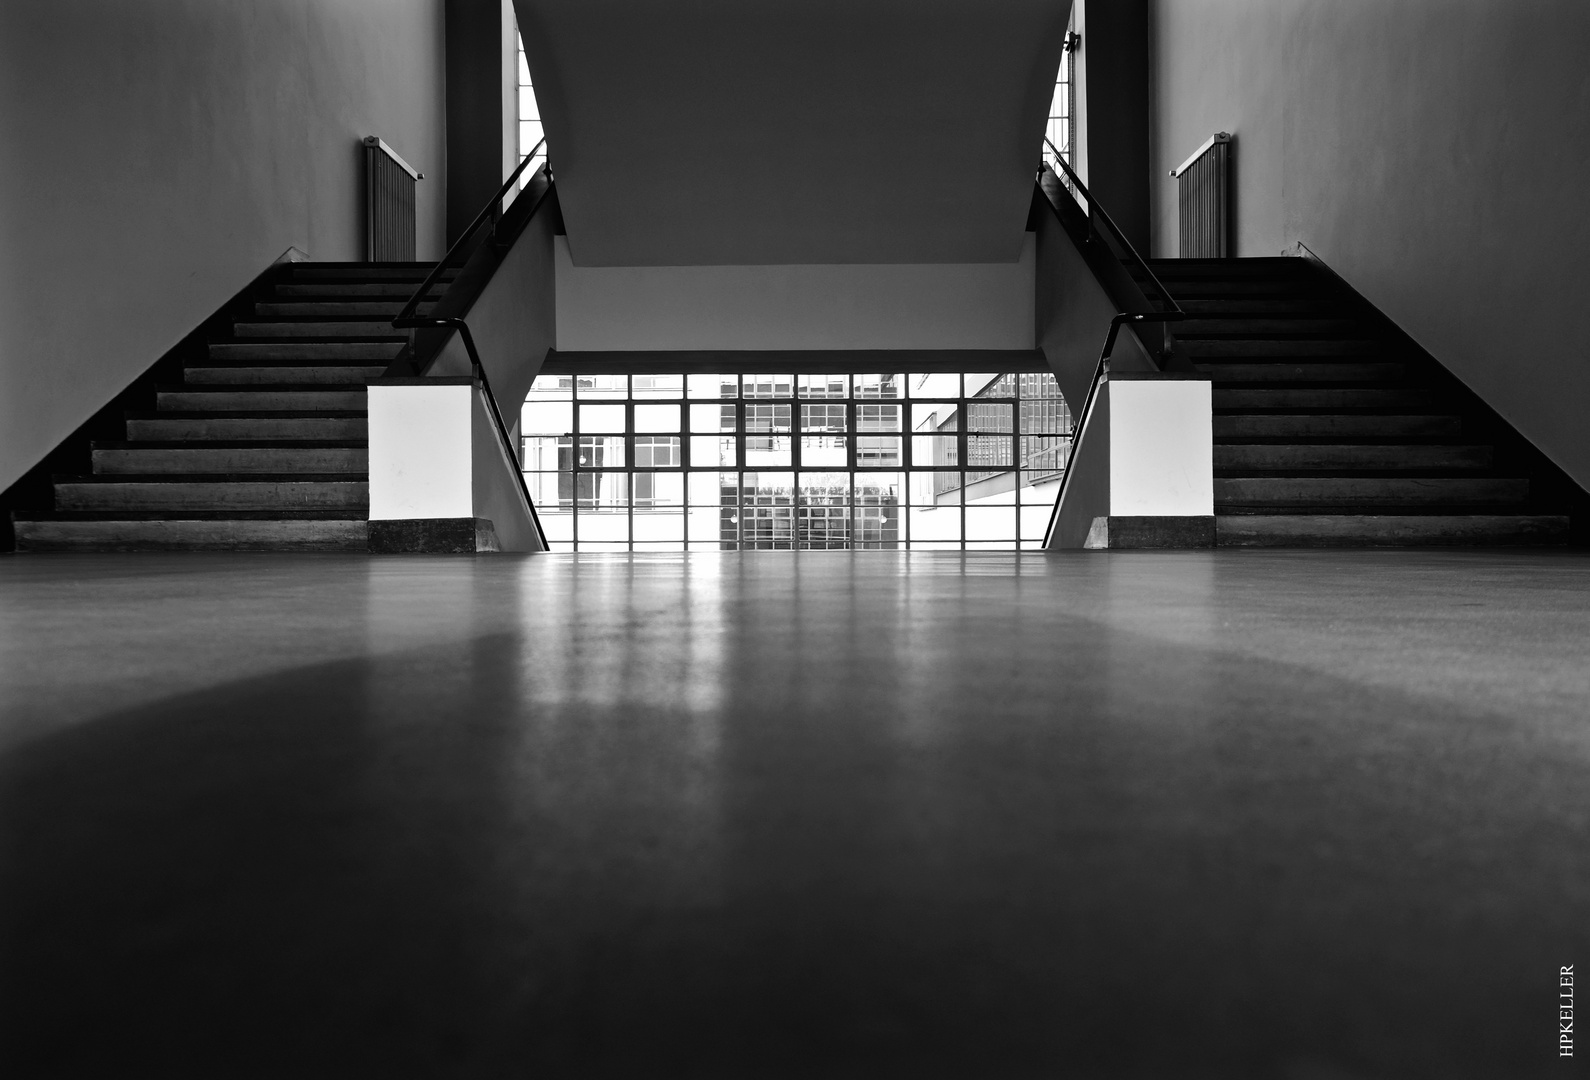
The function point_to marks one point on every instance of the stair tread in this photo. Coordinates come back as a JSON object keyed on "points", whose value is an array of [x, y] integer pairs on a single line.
{"points": [[232, 444], [232, 414], [314, 514], [210, 478]]}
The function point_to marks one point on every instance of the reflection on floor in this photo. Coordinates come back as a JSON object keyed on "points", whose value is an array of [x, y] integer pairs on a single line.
{"points": [[1293, 814]]}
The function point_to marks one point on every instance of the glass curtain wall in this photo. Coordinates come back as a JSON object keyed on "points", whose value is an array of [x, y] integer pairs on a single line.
{"points": [[771, 461], [528, 130], [1062, 129]]}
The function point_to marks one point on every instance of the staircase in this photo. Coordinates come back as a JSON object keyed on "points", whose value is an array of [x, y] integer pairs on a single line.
{"points": [[262, 445], [1332, 429]]}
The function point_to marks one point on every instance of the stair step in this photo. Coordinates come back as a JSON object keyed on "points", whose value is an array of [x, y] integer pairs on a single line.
{"points": [[366, 272], [1336, 427], [94, 493], [323, 533], [1208, 289], [1324, 398], [1241, 306], [304, 309], [1388, 530], [385, 351], [181, 428], [1330, 371], [1301, 491], [396, 290], [1261, 266], [1287, 347], [122, 458], [345, 398], [1266, 325], [249, 375], [321, 328], [1271, 457]]}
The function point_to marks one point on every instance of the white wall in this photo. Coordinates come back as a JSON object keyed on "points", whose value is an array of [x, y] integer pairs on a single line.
{"points": [[912, 306], [158, 156], [1432, 152]]}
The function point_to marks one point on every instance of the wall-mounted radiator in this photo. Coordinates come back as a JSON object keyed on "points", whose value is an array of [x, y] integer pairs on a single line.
{"points": [[388, 203], [1203, 196]]}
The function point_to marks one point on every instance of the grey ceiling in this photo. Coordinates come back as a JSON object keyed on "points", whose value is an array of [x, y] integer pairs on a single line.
{"points": [[700, 132]]}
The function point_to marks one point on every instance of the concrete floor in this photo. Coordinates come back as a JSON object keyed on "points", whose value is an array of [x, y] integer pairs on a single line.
{"points": [[1304, 815]]}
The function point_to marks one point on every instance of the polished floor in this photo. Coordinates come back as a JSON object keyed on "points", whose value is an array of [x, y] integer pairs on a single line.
{"points": [[1304, 815]]}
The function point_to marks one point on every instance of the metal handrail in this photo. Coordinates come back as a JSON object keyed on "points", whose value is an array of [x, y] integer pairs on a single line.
{"points": [[492, 210], [1099, 372], [1103, 215], [407, 319]]}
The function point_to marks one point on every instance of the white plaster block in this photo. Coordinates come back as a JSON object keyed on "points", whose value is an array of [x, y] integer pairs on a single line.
{"points": [[421, 453], [1161, 448]]}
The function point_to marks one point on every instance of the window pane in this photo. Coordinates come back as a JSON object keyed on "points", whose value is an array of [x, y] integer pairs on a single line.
{"points": [[546, 418], [825, 488], [705, 523], [766, 386], [985, 450], [559, 527], [990, 384], [600, 452], [877, 417], [659, 489], [601, 386], [936, 488], [825, 451], [937, 416], [711, 489], [990, 523], [527, 107], [543, 453], [602, 418], [658, 386], [1039, 487], [604, 526], [767, 488], [1035, 521], [705, 418], [760, 417], [601, 491], [653, 526], [1045, 455], [988, 416], [877, 450], [551, 388], [880, 386], [937, 385], [549, 490], [711, 451], [763, 451], [930, 524], [714, 386], [932, 450], [821, 386], [656, 418], [824, 418], [876, 526], [880, 488], [823, 527], [657, 452]]}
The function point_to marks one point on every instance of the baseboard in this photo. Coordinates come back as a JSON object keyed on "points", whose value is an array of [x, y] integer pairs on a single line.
{"points": [[1149, 533], [433, 536]]}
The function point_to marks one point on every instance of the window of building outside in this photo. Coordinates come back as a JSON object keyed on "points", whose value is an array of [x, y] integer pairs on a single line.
{"points": [[1062, 129], [675, 462], [529, 127]]}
